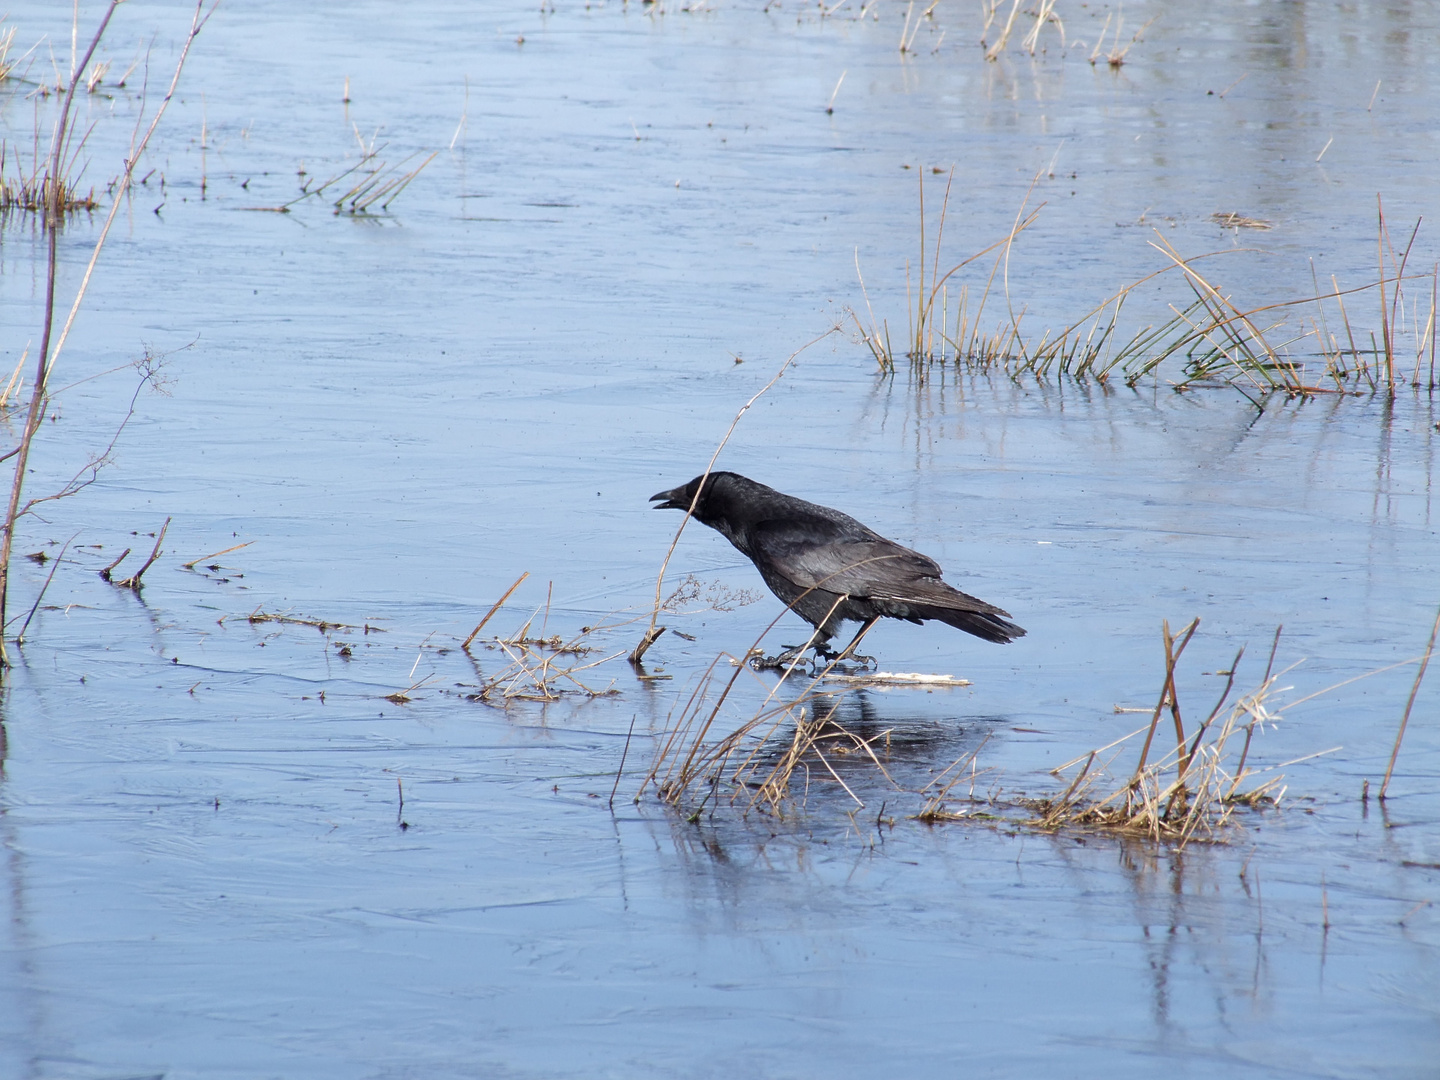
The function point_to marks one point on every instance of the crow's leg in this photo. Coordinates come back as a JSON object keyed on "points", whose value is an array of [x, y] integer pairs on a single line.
{"points": [[849, 650]]}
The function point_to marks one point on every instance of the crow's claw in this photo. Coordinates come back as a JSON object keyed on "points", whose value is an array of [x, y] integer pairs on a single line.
{"points": [[793, 654]]}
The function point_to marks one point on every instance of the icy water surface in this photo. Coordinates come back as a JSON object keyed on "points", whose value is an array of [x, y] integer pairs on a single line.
{"points": [[634, 214]]}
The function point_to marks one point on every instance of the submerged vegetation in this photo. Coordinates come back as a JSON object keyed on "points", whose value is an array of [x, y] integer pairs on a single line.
{"points": [[1304, 347]]}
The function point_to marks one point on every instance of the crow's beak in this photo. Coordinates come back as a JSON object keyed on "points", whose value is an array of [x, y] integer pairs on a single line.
{"points": [[674, 499]]}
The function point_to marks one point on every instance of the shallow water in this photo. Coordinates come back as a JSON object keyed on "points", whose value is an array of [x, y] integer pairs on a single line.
{"points": [[205, 873]]}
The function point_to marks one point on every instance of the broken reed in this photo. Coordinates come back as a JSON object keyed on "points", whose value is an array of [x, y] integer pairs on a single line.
{"points": [[1299, 348], [373, 184]]}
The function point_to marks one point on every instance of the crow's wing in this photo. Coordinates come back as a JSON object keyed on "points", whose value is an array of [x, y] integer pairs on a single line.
{"points": [[846, 558], [820, 554]]}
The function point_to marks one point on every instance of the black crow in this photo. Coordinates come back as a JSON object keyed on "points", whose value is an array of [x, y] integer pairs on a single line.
{"points": [[827, 566]]}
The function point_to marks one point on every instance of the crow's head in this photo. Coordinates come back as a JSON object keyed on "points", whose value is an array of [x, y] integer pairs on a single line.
{"points": [[722, 502], [683, 497]]}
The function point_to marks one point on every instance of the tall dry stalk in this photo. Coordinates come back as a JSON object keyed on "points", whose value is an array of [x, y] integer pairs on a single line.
{"points": [[54, 184], [1410, 704], [654, 630]]}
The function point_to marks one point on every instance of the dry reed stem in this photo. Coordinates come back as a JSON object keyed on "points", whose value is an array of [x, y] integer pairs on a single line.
{"points": [[105, 572], [651, 634], [15, 377], [1167, 690], [20, 637], [195, 562], [1409, 704]]}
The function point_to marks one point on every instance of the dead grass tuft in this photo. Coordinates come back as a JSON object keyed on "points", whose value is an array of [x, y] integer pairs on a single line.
{"points": [[1192, 791], [538, 667]]}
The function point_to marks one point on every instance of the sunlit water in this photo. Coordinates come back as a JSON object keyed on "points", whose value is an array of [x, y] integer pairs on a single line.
{"points": [[204, 866]]}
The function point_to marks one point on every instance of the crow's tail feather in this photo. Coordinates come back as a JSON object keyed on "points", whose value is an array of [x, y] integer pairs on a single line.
{"points": [[987, 625]]}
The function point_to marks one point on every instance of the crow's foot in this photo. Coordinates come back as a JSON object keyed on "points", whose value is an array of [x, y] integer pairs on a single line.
{"points": [[792, 655]]}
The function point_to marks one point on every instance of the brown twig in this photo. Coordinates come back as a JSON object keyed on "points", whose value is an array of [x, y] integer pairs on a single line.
{"points": [[105, 573], [1250, 728], [621, 770], [194, 562], [1167, 691], [651, 634], [1405, 719]]}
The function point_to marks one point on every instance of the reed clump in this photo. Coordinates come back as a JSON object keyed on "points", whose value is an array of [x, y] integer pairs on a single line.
{"points": [[28, 191], [795, 741], [1191, 791], [539, 667], [755, 765], [1300, 348]]}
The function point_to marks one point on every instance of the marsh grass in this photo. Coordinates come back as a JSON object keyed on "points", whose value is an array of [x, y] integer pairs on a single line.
{"points": [[7, 43], [793, 733], [1300, 348], [708, 758], [1042, 13], [1115, 56], [365, 188], [27, 190], [1189, 792], [539, 666]]}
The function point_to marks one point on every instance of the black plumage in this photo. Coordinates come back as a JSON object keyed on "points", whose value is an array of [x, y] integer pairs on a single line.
{"points": [[827, 566]]}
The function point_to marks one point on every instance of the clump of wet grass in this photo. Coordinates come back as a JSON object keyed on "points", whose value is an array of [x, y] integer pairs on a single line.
{"points": [[1189, 792], [794, 739], [1114, 57], [540, 666], [792, 733], [1299, 348], [28, 191]]}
